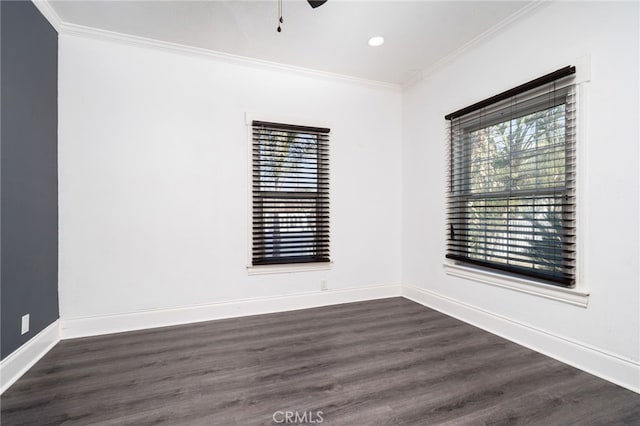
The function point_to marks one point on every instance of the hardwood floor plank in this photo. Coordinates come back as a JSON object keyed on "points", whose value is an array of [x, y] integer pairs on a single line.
{"points": [[382, 362]]}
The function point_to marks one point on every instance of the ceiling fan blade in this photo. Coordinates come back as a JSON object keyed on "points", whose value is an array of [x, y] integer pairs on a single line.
{"points": [[316, 3]]}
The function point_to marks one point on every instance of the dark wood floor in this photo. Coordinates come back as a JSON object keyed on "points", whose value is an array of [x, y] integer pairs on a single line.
{"points": [[381, 362]]}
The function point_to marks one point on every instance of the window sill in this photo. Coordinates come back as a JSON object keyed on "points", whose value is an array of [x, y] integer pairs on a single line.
{"points": [[571, 296], [288, 268]]}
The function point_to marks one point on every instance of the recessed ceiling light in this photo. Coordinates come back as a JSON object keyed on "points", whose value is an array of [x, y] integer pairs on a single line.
{"points": [[376, 41]]}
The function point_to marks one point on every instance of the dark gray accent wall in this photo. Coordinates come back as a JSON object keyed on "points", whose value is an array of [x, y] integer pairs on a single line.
{"points": [[29, 172]]}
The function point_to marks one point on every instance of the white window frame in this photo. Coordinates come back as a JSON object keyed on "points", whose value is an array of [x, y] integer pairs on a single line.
{"points": [[578, 295], [286, 268]]}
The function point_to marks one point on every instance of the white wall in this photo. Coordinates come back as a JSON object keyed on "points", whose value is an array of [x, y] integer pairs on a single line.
{"points": [[153, 178], [553, 36]]}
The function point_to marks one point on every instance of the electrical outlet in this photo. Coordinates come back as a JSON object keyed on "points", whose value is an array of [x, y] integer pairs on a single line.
{"points": [[25, 324], [323, 285]]}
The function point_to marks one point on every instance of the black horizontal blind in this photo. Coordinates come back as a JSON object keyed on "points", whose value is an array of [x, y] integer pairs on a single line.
{"points": [[512, 184], [290, 168]]}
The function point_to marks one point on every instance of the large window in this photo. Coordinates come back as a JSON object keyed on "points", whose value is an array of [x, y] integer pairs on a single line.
{"points": [[511, 194], [290, 188]]}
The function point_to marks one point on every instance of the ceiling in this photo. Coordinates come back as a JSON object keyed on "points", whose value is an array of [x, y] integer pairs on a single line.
{"points": [[331, 38]]}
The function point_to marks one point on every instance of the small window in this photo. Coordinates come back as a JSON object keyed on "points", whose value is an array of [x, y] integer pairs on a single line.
{"points": [[512, 181], [290, 194]]}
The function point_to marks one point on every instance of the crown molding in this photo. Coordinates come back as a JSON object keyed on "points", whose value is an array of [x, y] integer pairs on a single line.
{"points": [[49, 13], [83, 31], [431, 70], [65, 28]]}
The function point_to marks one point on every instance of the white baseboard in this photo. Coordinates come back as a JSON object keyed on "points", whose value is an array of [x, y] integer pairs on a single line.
{"points": [[613, 368], [23, 358], [106, 324]]}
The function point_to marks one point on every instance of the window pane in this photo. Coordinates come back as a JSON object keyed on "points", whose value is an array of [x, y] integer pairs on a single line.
{"points": [[290, 227], [288, 161], [525, 232], [527, 152]]}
